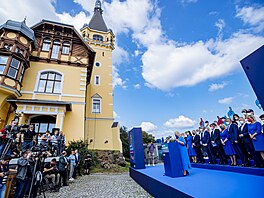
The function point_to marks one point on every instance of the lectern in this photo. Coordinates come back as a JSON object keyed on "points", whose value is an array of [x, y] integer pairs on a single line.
{"points": [[136, 148], [172, 160]]}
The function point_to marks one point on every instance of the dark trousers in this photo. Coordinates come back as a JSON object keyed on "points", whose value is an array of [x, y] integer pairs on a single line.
{"points": [[209, 151], [199, 153], [21, 187], [64, 177], [77, 169], [250, 148], [221, 153], [237, 147]]}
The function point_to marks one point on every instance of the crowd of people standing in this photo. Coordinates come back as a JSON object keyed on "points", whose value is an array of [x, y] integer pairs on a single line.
{"points": [[234, 137], [41, 160]]}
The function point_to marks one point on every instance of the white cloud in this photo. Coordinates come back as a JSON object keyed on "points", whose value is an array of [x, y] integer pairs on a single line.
{"points": [[194, 63], [137, 86], [34, 10], [220, 24], [217, 86], [117, 80], [228, 100], [188, 1], [180, 122], [253, 16], [148, 126]]}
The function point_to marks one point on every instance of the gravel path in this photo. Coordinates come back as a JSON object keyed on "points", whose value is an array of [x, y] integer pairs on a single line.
{"points": [[101, 185]]}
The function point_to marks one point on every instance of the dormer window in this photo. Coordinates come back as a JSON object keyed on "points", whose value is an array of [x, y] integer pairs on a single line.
{"points": [[8, 47], [55, 49], [20, 51], [66, 47], [46, 45], [98, 37]]}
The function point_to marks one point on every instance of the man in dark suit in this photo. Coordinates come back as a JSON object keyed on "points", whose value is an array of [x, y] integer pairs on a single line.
{"points": [[217, 144], [206, 142], [233, 133], [197, 146], [63, 168], [247, 142]]}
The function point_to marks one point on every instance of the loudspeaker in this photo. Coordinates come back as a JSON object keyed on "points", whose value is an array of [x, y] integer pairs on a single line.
{"points": [[253, 66]]}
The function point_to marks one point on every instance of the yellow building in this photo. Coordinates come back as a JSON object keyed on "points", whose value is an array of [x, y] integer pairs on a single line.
{"points": [[99, 112], [50, 76]]}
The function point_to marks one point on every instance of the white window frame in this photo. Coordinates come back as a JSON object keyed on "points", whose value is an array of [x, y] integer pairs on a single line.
{"points": [[99, 80], [100, 107], [49, 70]]}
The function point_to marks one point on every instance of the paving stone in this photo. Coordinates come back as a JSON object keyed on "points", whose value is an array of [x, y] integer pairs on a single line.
{"points": [[101, 186]]}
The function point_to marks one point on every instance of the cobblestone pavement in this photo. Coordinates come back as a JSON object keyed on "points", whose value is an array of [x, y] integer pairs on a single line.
{"points": [[101, 185]]}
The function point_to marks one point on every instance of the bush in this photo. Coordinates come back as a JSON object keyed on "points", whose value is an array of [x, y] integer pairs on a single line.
{"points": [[82, 147]]}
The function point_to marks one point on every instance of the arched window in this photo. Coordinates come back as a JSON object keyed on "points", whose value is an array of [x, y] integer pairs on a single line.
{"points": [[55, 49], [98, 37], [66, 47], [46, 44], [50, 82]]}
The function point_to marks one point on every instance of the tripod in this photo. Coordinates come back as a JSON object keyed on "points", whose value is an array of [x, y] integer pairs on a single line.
{"points": [[6, 148], [37, 178]]}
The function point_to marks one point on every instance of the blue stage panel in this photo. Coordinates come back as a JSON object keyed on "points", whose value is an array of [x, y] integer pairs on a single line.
{"points": [[200, 183]]}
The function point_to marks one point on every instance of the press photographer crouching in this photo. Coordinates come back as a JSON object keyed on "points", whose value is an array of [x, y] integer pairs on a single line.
{"points": [[51, 171]]}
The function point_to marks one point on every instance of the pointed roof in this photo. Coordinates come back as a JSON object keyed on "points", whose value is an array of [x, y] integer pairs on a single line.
{"points": [[19, 27], [97, 21]]}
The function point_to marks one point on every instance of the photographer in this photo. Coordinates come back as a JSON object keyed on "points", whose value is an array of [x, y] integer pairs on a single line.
{"points": [[25, 166], [52, 172], [29, 135], [54, 143], [4, 170]]}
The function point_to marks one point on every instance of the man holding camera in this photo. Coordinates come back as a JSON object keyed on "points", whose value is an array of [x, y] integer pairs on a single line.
{"points": [[29, 135], [51, 172], [4, 170]]}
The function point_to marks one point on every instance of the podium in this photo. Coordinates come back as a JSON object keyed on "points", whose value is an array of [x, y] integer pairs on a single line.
{"points": [[136, 148], [172, 160]]}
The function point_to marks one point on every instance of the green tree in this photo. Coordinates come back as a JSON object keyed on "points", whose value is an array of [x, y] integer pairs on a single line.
{"points": [[124, 140], [147, 138]]}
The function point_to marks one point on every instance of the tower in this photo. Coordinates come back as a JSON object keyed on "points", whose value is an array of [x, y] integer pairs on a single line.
{"points": [[102, 131], [16, 43]]}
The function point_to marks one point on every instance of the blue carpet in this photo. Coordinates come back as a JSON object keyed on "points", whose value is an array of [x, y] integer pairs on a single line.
{"points": [[205, 183]]}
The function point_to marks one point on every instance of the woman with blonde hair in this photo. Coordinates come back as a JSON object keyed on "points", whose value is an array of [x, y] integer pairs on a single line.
{"points": [[184, 154], [255, 132]]}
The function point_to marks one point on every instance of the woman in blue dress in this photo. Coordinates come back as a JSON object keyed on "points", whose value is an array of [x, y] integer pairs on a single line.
{"points": [[184, 154], [228, 147], [255, 132], [190, 148]]}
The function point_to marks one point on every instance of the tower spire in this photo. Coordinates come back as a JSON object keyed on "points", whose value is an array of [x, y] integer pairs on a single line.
{"points": [[98, 6]]}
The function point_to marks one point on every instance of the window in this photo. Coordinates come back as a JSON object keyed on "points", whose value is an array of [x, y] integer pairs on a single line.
{"points": [[50, 82], [22, 73], [13, 68], [8, 47], [97, 64], [103, 53], [20, 51], [97, 80], [55, 49], [3, 61], [46, 45], [66, 47], [96, 107], [98, 37]]}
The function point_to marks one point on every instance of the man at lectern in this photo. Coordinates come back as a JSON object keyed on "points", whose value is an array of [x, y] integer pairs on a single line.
{"points": [[184, 153]]}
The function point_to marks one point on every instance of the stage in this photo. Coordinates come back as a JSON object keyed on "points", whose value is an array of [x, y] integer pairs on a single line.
{"points": [[202, 182]]}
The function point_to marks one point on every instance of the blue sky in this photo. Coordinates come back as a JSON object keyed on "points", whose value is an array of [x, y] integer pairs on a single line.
{"points": [[175, 60]]}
